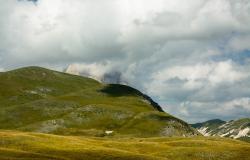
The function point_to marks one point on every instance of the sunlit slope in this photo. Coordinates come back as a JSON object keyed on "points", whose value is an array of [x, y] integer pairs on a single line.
{"points": [[32, 83], [19, 145], [40, 100]]}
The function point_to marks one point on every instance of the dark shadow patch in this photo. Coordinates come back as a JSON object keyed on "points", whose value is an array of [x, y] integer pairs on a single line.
{"points": [[118, 90]]}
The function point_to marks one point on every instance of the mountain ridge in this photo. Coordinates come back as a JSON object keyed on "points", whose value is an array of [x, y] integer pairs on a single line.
{"points": [[237, 129], [41, 100]]}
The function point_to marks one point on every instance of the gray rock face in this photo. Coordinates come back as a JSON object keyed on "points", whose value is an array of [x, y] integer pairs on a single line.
{"points": [[234, 129]]}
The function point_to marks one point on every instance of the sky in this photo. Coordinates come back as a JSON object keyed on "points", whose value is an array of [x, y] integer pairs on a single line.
{"points": [[192, 57]]}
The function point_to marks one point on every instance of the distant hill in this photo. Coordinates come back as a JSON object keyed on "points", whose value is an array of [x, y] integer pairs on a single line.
{"points": [[237, 129], [41, 100], [205, 127]]}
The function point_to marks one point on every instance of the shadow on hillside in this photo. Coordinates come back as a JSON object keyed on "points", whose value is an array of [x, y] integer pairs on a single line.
{"points": [[117, 90]]}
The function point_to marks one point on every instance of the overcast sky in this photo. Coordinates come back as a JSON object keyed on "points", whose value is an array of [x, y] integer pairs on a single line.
{"points": [[192, 57]]}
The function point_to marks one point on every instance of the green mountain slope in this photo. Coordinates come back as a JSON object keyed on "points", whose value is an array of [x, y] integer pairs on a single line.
{"points": [[19, 146], [41, 100]]}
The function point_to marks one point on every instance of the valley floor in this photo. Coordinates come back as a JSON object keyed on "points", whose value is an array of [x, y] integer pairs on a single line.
{"points": [[21, 145]]}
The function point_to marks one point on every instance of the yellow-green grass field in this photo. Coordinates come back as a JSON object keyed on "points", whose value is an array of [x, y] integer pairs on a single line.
{"points": [[27, 145]]}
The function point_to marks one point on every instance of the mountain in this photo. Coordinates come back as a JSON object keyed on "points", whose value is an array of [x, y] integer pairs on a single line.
{"points": [[206, 127], [40, 100], [237, 129]]}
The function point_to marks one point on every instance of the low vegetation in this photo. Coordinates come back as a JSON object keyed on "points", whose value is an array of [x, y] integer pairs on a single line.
{"points": [[20, 145]]}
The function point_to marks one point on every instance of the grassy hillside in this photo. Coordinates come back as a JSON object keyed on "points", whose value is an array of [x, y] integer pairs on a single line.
{"points": [[19, 145], [41, 100]]}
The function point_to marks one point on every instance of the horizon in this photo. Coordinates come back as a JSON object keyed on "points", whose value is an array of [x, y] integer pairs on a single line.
{"points": [[193, 58]]}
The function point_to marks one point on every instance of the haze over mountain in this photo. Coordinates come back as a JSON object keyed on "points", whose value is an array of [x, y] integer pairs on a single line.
{"points": [[104, 76]]}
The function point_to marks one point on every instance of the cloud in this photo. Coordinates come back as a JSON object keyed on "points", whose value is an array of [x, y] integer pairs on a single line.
{"points": [[53, 27], [103, 72], [179, 52], [226, 110], [196, 92], [241, 43], [196, 77]]}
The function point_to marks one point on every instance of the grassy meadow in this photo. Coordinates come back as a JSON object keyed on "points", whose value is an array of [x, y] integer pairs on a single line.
{"points": [[24, 145]]}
